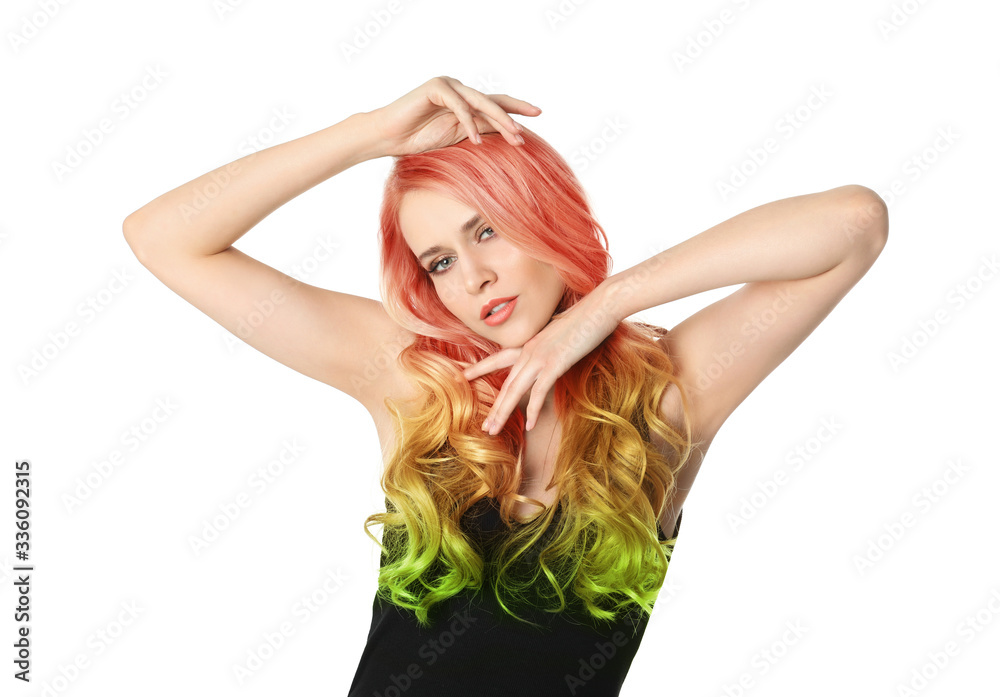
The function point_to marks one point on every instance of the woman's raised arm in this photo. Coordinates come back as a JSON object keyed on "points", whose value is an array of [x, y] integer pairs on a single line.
{"points": [[185, 237]]}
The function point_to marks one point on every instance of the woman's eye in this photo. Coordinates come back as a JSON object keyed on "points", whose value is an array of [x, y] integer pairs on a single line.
{"points": [[438, 263]]}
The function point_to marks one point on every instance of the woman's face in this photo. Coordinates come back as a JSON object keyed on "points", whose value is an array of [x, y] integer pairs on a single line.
{"points": [[470, 264]]}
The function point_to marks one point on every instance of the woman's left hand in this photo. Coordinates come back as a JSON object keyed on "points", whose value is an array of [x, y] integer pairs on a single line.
{"points": [[545, 357]]}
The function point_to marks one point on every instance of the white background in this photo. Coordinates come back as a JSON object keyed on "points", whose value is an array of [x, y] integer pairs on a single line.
{"points": [[896, 75]]}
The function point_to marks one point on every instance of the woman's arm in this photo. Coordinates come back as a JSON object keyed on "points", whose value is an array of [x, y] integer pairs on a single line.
{"points": [[208, 214], [797, 256], [185, 237]]}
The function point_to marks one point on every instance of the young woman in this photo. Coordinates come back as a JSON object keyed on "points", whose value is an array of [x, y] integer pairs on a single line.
{"points": [[538, 445]]}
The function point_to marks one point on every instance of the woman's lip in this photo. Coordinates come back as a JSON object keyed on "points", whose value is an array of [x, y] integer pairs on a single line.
{"points": [[500, 316], [493, 303]]}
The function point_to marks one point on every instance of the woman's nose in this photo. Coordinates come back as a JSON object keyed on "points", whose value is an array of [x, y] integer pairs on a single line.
{"points": [[476, 275]]}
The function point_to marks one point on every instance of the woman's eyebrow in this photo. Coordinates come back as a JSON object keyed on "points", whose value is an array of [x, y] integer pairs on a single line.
{"points": [[466, 226]]}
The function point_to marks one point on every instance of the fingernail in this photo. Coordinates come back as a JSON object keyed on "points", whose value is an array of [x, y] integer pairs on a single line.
{"points": [[520, 140]]}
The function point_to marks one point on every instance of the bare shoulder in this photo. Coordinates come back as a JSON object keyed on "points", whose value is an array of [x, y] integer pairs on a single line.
{"points": [[672, 411], [387, 381], [671, 405]]}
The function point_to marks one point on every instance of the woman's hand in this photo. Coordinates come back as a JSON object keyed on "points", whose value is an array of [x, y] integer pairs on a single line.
{"points": [[442, 112], [545, 357]]}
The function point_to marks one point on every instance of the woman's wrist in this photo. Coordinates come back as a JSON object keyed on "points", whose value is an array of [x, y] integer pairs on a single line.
{"points": [[365, 136]]}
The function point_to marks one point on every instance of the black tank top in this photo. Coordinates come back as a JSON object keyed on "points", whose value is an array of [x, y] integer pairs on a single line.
{"points": [[474, 648]]}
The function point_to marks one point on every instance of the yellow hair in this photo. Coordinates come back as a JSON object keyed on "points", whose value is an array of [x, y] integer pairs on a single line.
{"points": [[603, 552]]}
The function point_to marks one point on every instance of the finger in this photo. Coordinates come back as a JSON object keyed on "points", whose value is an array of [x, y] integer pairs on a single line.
{"points": [[501, 359], [511, 394], [532, 388], [474, 371], [538, 394], [491, 108], [498, 415], [503, 412], [492, 422], [493, 111], [508, 103], [454, 101], [494, 127], [516, 106], [491, 125], [481, 368]]}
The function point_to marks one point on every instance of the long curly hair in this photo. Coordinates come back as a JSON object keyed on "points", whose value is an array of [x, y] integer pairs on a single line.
{"points": [[603, 552]]}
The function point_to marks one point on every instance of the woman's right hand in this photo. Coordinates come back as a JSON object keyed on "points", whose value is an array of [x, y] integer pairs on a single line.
{"points": [[442, 112]]}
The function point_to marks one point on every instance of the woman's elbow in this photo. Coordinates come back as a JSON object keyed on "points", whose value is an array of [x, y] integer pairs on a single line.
{"points": [[866, 217]]}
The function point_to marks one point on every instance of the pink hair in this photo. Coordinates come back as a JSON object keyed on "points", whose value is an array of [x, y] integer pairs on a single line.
{"points": [[613, 482], [526, 192]]}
